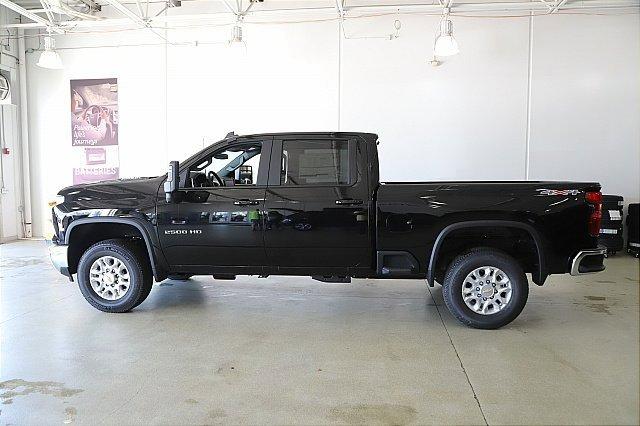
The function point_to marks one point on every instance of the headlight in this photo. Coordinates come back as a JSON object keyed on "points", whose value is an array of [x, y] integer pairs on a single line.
{"points": [[59, 199]]}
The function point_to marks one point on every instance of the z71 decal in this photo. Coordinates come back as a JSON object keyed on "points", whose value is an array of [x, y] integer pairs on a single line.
{"points": [[552, 192]]}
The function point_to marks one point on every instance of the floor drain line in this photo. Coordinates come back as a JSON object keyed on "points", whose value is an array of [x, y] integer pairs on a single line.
{"points": [[475, 396]]}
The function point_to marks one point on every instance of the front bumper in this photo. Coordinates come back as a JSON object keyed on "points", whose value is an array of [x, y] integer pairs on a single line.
{"points": [[588, 261], [58, 255]]}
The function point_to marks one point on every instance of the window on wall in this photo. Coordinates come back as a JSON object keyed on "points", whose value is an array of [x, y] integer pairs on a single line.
{"points": [[315, 162]]}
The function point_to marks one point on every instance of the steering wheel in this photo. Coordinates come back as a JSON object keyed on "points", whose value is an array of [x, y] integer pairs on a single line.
{"points": [[93, 115], [213, 177], [199, 180]]}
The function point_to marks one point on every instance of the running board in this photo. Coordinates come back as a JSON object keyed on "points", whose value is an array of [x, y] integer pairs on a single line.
{"points": [[224, 277], [331, 278]]}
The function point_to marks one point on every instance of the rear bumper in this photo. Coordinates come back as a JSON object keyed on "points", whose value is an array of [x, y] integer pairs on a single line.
{"points": [[58, 255], [588, 261]]}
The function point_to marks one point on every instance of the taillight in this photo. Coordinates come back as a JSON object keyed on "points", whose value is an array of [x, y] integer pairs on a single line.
{"points": [[595, 199]]}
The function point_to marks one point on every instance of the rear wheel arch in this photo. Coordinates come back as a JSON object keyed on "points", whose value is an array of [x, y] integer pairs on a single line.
{"points": [[539, 273], [83, 233]]}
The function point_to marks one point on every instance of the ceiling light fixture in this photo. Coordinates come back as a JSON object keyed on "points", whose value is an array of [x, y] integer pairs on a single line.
{"points": [[236, 34], [446, 44], [49, 58]]}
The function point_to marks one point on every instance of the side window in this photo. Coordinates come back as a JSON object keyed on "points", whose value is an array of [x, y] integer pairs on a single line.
{"points": [[235, 165], [315, 162]]}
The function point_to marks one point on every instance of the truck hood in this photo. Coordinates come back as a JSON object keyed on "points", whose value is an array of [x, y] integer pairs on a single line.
{"points": [[127, 194]]}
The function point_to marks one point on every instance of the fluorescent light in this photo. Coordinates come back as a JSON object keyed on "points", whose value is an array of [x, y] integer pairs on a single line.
{"points": [[446, 44], [49, 58]]}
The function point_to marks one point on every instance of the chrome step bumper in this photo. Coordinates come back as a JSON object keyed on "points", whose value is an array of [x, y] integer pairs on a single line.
{"points": [[588, 261]]}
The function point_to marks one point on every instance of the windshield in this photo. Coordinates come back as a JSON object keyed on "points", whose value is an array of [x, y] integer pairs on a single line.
{"points": [[199, 154]]}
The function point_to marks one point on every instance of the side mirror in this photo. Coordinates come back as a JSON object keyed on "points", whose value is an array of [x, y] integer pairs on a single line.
{"points": [[171, 184]]}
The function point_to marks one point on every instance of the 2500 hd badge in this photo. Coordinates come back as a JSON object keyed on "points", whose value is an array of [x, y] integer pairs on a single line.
{"points": [[311, 204], [182, 231]]}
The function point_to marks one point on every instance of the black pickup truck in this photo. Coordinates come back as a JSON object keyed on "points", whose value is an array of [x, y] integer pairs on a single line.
{"points": [[311, 204]]}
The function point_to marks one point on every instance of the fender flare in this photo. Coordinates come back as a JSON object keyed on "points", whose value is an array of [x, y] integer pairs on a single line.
{"points": [[148, 236], [539, 276]]}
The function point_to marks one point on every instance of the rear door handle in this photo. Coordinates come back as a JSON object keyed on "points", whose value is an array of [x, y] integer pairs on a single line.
{"points": [[178, 221], [348, 202], [246, 203]]}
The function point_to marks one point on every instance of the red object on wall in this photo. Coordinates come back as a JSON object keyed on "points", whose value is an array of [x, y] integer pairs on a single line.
{"points": [[6, 151]]}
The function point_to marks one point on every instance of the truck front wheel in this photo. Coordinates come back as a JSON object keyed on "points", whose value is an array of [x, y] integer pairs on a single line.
{"points": [[485, 288], [114, 276]]}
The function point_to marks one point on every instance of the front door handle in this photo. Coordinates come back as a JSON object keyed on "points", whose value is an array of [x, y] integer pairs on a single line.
{"points": [[348, 202], [246, 203], [178, 221]]}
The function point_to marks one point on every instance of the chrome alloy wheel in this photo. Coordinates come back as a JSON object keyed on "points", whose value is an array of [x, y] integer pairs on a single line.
{"points": [[109, 278], [486, 290]]}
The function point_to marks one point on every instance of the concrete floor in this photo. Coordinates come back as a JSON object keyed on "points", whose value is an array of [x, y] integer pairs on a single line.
{"points": [[287, 350]]}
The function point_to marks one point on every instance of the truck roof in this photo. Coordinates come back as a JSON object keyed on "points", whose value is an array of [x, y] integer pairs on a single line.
{"points": [[369, 137]]}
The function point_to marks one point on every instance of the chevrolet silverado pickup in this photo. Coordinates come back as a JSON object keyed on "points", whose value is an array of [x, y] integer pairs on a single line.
{"points": [[311, 204]]}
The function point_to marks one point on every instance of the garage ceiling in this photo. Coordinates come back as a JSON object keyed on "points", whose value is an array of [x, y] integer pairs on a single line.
{"points": [[67, 16]]}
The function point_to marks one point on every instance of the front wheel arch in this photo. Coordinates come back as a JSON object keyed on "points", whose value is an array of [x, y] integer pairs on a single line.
{"points": [[82, 233]]}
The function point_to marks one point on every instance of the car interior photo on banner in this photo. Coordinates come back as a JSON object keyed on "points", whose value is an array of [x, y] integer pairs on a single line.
{"points": [[94, 124]]}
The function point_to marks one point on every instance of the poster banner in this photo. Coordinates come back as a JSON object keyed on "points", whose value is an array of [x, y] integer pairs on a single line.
{"points": [[94, 130]]}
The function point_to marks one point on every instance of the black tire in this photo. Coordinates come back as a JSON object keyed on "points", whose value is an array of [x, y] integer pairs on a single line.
{"points": [[148, 274], [179, 277], [140, 276], [464, 265]]}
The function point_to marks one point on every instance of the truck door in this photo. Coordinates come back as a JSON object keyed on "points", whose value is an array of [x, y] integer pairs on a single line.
{"points": [[218, 222], [317, 206]]}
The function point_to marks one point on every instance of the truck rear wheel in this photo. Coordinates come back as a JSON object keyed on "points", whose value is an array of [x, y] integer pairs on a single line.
{"points": [[485, 288], [113, 276]]}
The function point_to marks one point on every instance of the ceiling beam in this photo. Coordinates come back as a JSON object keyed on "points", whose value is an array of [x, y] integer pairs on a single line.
{"points": [[127, 12], [35, 18], [229, 7], [47, 11], [95, 7], [140, 12], [558, 5], [352, 11]]}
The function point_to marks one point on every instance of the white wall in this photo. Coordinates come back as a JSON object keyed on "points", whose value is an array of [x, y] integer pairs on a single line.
{"points": [[10, 164], [585, 106], [466, 119]]}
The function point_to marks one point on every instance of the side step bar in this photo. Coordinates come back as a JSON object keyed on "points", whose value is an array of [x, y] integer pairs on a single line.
{"points": [[224, 277], [331, 278]]}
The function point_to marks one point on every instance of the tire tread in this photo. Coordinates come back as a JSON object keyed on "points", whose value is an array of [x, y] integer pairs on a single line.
{"points": [[448, 285], [134, 255]]}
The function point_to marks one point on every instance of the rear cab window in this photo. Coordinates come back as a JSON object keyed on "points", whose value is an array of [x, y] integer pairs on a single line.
{"points": [[316, 162]]}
